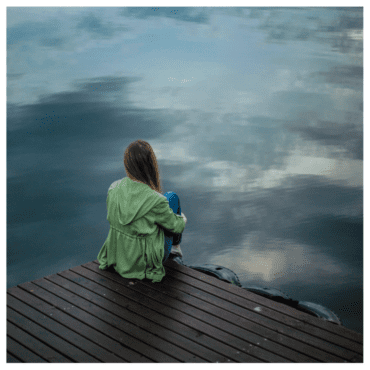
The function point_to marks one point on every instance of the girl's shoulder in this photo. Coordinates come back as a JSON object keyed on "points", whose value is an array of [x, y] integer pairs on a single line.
{"points": [[161, 195], [115, 184]]}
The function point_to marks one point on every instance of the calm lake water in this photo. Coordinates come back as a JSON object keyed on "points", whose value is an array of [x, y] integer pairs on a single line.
{"points": [[256, 118]]}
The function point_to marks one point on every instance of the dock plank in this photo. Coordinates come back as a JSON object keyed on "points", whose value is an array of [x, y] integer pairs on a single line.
{"points": [[135, 313], [287, 346], [239, 326], [90, 337], [11, 359], [84, 350], [22, 352], [43, 335], [245, 349], [173, 316], [268, 318], [85, 314], [112, 338], [279, 307], [42, 350], [254, 346], [144, 341]]}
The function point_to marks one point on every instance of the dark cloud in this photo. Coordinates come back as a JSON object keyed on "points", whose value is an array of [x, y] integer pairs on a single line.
{"points": [[44, 33], [345, 21], [327, 25], [307, 122], [97, 27], [317, 194], [342, 42], [311, 210], [52, 42], [281, 24], [185, 14], [14, 76], [45, 209], [348, 136], [87, 118], [47, 195], [49, 33], [348, 76], [348, 19], [338, 236], [82, 115]]}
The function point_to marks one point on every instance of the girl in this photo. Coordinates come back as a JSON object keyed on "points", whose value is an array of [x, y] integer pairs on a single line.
{"points": [[145, 226]]}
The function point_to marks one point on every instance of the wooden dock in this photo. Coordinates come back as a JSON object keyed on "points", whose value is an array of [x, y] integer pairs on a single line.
{"points": [[88, 315]]}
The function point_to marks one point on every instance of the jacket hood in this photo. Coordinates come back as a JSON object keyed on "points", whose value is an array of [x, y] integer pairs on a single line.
{"points": [[131, 200]]}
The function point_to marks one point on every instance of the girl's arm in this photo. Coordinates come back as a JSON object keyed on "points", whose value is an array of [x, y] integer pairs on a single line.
{"points": [[167, 219]]}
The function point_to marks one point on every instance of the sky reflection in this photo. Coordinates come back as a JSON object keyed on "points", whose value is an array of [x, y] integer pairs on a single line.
{"points": [[255, 115]]}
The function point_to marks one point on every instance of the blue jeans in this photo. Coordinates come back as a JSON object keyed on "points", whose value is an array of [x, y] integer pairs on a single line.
{"points": [[171, 238]]}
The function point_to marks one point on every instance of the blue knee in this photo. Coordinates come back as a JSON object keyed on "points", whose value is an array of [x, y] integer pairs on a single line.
{"points": [[173, 201]]}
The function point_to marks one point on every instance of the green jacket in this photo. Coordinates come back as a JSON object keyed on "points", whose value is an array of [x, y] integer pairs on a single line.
{"points": [[135, 243]]}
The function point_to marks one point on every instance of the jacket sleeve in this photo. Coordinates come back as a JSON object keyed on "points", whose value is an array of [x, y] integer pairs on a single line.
{"points": [[167, 219]]}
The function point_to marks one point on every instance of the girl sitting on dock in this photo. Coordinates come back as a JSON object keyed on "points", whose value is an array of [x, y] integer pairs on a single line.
{"points": [[145, 226]]}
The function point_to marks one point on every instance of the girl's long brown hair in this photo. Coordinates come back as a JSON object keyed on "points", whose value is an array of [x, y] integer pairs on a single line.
{"points": [[141, 164]]}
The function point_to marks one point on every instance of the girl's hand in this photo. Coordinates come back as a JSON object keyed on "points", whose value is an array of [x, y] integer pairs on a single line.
{"points": [[183, 216]]}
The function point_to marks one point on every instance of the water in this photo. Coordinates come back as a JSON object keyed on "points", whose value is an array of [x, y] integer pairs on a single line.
{"points": [[256, 118]]}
